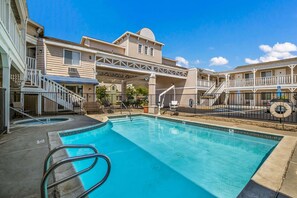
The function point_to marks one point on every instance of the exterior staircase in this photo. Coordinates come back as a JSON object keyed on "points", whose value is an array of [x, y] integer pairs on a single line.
{"points": [[212, 94], [35, 82]]}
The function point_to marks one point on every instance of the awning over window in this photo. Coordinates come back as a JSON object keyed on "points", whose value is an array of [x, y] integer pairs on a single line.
{"points": [[73, 80]]}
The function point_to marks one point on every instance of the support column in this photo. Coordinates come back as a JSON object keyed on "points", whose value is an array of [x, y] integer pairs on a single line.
{"points": [[39, 104], [123, 90], [292, 73], [152, 94], [254, 77], [254, 97], [227, 80], [208, 79], [6, 65]]}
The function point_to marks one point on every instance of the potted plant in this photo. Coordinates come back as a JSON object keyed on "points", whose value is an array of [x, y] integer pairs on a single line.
{"points": [[145, 106]]}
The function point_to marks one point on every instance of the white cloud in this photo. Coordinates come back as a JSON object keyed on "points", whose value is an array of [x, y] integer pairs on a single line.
{"points": [[218, 61], [277, 52], [197, 62], [209, 69], [251, 61], [181, 61]]}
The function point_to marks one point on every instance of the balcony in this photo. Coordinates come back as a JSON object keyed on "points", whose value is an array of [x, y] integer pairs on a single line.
{"points": [[12, 28], [263, 81], [205, 83]]}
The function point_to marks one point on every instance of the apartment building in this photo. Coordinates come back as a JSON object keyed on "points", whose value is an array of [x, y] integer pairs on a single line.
{"points": [[262, 79], [51, 74], [13, 25]]}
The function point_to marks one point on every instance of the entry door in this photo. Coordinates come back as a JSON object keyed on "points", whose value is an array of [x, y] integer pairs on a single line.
{"points": [[238, 80], [281, 76], [280, 72]]}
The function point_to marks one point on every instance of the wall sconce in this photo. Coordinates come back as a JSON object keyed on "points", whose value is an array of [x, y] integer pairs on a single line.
{"points": [[39, 51]]}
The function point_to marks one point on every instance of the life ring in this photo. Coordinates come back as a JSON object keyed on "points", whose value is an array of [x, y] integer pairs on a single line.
{"points": [[287, 113]]}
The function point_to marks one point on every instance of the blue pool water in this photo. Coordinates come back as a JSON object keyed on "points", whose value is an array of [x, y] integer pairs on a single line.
{"points": [[161, 158]]}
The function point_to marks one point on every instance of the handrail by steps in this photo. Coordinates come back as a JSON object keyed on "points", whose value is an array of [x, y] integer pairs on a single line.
{"points": [[25, 114], [72, 146], [130, 115], [47, 171]]}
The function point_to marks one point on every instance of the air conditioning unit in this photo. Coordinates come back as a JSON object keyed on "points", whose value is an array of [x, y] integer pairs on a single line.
{"points": [[72, 70]]}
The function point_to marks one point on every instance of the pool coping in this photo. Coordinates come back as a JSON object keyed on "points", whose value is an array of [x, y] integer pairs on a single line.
{"points": [[73, 187], [268, 178], [16, 124]]}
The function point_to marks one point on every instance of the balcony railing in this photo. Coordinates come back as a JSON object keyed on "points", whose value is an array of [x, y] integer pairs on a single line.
{"points": [[12, 28], [31, 63], [205, 83], [263, 81]]}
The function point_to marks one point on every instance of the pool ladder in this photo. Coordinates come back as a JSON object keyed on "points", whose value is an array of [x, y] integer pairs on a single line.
{"points": [[130, 115], [47, 169]]}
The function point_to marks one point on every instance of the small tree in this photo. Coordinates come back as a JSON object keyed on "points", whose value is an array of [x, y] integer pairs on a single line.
{"points": [[101, 93], [143, 91], [130, 93]]}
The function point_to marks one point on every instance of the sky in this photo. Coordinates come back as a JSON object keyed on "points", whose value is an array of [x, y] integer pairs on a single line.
{"points": [[214, 34]]}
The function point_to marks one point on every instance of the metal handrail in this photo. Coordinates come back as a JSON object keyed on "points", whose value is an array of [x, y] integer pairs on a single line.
{"points": [[25, 114], [44, 184], [130, 115], [46, 161]]}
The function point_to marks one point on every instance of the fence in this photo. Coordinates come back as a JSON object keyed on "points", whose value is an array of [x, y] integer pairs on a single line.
{"points": [[255, 106], [2, 111]]}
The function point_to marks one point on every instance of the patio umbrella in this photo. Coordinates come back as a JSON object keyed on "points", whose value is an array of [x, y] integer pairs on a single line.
{"points": [[279, 92]]}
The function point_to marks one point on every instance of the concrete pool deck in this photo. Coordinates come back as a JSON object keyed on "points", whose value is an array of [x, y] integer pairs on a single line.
{"points": [[23, 151]]}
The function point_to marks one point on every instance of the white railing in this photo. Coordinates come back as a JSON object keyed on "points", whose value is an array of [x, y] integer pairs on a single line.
{"points": [[295, 78], [12, 28], [33, 77], [60, 94], [31, 63], [262, 81], [205, 83], [273, 80], [241, 83], [52, 90]]}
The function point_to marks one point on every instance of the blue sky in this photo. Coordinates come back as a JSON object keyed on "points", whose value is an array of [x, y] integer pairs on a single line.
{"points": [[211, 34]]}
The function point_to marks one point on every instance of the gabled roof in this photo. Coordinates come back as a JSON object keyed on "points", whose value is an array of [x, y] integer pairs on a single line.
{"points": [[136, 35], [83, 38]]}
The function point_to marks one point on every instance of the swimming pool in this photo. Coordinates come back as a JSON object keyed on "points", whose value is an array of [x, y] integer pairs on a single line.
{"points": [[163, 158]]}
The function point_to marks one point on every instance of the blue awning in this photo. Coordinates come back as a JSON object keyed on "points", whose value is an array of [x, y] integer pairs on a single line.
{"points": [[72, 80]]}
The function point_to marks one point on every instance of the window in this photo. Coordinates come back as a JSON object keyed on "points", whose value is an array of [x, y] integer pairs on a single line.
{"points": [[265, 96], [266, 74], [249, 96], [145, 49], [248, 76], [152, 51], [71, 57], [139, 48]]}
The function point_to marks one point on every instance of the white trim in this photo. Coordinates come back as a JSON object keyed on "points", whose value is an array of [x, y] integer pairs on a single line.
{"points": [[64, 49], [69, 46], [151, 48], [138, 48], [100, 41], [139, 71], [31, 39], [137, 36]]}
